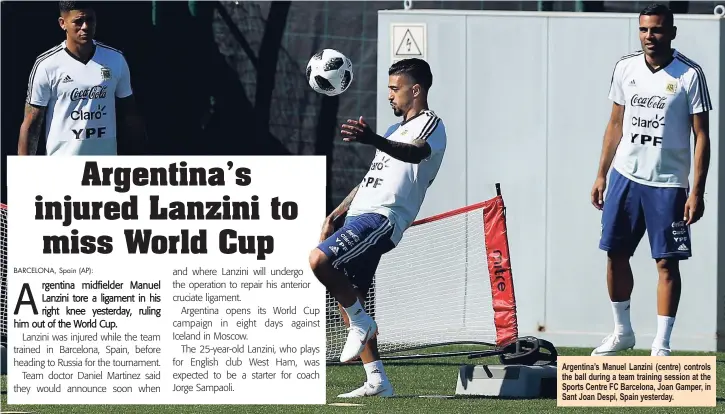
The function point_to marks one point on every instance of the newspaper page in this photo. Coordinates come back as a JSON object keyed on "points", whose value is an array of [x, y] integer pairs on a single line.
{"points": [[165, 280]]}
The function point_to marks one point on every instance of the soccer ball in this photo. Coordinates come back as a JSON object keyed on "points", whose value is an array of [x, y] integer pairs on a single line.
{"points": [[329, 72]]}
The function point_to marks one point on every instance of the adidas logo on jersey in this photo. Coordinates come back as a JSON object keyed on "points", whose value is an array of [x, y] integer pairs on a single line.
{"points": [[67, 79], [632, 83], [682, 248]]}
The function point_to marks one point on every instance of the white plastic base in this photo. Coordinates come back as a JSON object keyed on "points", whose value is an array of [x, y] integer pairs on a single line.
{"points": [[516, 381]]}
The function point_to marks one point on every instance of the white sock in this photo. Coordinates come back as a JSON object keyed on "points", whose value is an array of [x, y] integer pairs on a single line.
{"points": [[622, 325], [355, 312], [375, 372], [664, 330]]}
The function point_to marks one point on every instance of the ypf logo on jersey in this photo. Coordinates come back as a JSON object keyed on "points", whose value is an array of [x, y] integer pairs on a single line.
{"points": [[646, 139], [105, 73]]}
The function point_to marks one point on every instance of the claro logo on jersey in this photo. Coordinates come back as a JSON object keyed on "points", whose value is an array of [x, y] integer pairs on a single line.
{"points": [[654, 102], [374, 182], [379, 165], [95, 92], [97, 113], [654, 123]]}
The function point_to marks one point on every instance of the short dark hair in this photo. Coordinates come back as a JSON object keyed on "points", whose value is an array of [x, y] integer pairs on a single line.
{"points": [[66, 6], [417, 69], [658, 9]]}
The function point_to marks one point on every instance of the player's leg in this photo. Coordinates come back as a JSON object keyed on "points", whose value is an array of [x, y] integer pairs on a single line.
{"points": [[669, 238], [370, 352], [623, 226], [327, 260], [325, 264], [377, 383], [362, 272], [321, 262]]}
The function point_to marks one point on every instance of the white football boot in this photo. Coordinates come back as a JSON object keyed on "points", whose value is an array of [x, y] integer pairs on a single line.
{"points": [[656, 351], [384, 389], [358, 334], [614, 343]]}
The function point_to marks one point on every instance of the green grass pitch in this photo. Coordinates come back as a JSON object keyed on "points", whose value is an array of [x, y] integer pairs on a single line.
{"points": [[412, 379]]}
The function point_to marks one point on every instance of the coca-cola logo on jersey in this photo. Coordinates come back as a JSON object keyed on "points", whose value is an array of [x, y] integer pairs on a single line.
{"points": [[96, 92], [654, 102]]}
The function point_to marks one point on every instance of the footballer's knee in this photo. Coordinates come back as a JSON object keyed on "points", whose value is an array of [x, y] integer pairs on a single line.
{"points": [[618, 257], [618, 263], [318, 261], [668, 269]]}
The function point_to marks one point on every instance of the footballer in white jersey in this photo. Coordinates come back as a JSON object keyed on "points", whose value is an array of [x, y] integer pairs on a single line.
{"points": [[379, 210], [75, 87], [660, 96], [394, 188]]}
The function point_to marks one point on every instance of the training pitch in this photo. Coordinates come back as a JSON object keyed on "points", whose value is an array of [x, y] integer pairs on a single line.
{"points": [[425, 385]]}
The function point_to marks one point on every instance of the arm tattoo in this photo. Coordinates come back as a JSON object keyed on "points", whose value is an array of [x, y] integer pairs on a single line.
{"points": [[344, 205], [413, 153], [34, 117]]}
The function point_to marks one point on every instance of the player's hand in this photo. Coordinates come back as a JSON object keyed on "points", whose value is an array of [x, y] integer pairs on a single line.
{"points": [[356, 131], [598, 192], [328, 227], [694, 209]]}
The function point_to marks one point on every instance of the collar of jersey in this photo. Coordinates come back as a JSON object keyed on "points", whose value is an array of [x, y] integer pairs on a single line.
{"points": [[675, 53], [65, 43]]}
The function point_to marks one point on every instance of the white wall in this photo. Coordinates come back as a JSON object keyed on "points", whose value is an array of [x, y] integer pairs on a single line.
{"points": [[524, 100]]}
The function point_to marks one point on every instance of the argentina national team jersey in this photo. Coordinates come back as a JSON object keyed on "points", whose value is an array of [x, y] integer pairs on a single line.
{"points": [[80, 99], [394, 188], [655, 145]]}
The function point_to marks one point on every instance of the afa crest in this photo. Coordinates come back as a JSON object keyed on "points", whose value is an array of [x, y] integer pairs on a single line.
{"points": [[105, 73], [671, 88]]}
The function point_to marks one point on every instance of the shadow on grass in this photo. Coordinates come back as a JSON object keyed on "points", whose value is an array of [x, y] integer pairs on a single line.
{"points": [[404, 364], [421, 363], [470, 397]]}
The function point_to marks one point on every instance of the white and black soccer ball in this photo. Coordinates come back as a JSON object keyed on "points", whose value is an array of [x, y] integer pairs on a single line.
{"points": [[329, 72]]}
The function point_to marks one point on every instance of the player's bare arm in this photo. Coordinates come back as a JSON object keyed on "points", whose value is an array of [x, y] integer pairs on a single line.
{"points": [[612, 136], [344, 205], [695, 207], [329, 225], [359, 131], [31, 129], [132, 131]]}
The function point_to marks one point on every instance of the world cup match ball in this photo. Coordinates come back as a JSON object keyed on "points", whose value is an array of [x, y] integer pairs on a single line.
{"points": [[329, 72]]}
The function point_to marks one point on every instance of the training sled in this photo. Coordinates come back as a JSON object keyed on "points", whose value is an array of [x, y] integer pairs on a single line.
{"points": [[524, 370], [507, 381]]}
